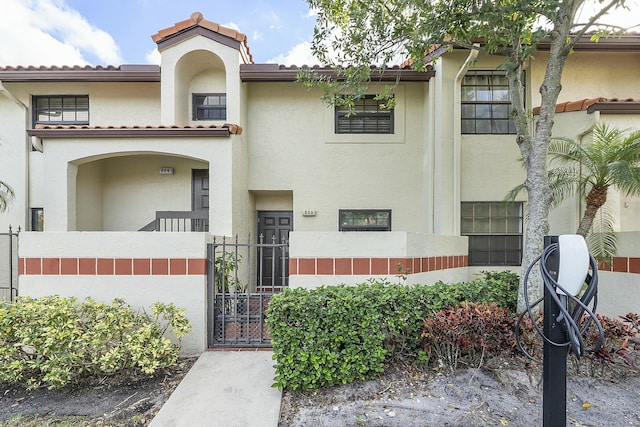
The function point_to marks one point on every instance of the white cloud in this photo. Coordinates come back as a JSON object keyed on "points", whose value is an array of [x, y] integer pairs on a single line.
{"points": [[232, 25], [299, 55], [257, 35], [48, 32], [312, 13], [153, 57]]}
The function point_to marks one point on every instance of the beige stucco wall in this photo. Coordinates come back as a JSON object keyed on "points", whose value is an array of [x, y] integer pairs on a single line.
{"points": [[127, 190], [119, 103], [578, 126], [586, 76], [89, 197], [126, 203], [292, 148], [14, 156], [490, 164], [109, 103], [182, 65]]}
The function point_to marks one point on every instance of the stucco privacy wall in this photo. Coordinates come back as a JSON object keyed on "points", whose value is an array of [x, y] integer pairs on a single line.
{"points": [[619, 284], [142, 268], [329, 258]]}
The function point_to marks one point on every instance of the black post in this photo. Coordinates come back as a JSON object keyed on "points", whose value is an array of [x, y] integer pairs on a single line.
{"points": [[554, 398]]}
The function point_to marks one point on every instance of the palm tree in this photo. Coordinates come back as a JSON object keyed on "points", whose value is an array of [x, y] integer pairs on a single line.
{"points": [[612, 159], [6, 195]]}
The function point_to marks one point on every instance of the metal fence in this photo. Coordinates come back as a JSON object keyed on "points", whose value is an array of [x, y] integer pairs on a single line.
{"points": [[242, 278], [9, 265], [179, 221]]}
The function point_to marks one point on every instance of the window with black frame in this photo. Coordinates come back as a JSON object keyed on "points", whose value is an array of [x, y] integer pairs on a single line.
{"points": [[61, 109], [209, 106], [37, 219], [368, 115], [364, 219], [494, 230], [486, 108]]}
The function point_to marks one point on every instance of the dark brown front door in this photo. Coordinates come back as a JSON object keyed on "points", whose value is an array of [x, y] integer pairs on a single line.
{"points": [[200, 190], [274, 227], [200, 197]]}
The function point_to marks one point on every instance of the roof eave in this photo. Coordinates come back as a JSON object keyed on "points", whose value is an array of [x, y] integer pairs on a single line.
{"points": [[280, 73], [124, 73], [624, 43], [193, 31], [128, 132], [615, 108]]}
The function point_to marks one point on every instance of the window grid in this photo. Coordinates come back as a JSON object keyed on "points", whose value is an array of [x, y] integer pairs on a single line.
{"points": [[364, 219], [368, 116], [61, 109], [486, 108], [209, 106], [494, 230]]}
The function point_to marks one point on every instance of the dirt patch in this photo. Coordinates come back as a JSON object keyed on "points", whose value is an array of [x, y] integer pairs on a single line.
{"points": [[126, 400], [505, 392]]}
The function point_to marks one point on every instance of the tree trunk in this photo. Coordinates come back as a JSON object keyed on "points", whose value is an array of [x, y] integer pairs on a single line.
{"points": [[595, 199], [534, 152]]}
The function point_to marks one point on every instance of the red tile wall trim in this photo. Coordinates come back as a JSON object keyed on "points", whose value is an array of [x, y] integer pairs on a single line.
{"points": [[113, 266], [374, 266], [398, 265]]}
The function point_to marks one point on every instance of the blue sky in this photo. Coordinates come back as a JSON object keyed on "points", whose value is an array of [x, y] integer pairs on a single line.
{"points": [[114, 32]]}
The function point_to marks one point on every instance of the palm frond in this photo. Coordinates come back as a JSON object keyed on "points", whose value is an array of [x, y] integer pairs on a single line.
{"points": [[563, 182], [6, 195], [566, 150], [512, 194], [602, 240]]}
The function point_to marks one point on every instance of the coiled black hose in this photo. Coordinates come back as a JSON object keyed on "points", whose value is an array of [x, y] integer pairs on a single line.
{"points": [[571, 320]]}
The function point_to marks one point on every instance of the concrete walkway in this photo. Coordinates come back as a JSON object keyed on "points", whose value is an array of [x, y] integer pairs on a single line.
{"points": [[226, 389]]}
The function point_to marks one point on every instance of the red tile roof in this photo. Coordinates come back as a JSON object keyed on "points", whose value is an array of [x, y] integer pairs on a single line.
{"points": [[140, 131], [614, 105], [197, 20], [284, 73]]}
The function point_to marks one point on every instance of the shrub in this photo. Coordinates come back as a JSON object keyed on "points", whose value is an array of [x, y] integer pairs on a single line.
{"points": [[324, 337], [338, 334], [467, 333], [500, 287], [620, 347], [52, 341]]}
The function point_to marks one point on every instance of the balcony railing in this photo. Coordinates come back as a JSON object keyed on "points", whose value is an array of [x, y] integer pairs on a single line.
{"points": [[197, 221]]}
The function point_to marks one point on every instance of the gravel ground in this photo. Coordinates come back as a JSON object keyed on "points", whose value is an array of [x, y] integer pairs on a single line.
{"points": [[506, 393]]}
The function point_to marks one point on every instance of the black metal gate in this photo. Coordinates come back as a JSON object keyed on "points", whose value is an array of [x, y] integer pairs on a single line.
{"points": [[238, 298], [9, 265]]}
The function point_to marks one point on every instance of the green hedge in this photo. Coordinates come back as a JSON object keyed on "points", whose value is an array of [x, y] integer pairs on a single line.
{"points": [[52, 341], [338, 334]]}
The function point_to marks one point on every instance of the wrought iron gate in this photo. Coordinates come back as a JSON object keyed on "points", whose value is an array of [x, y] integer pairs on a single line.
{"points": [[238, 298]]}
